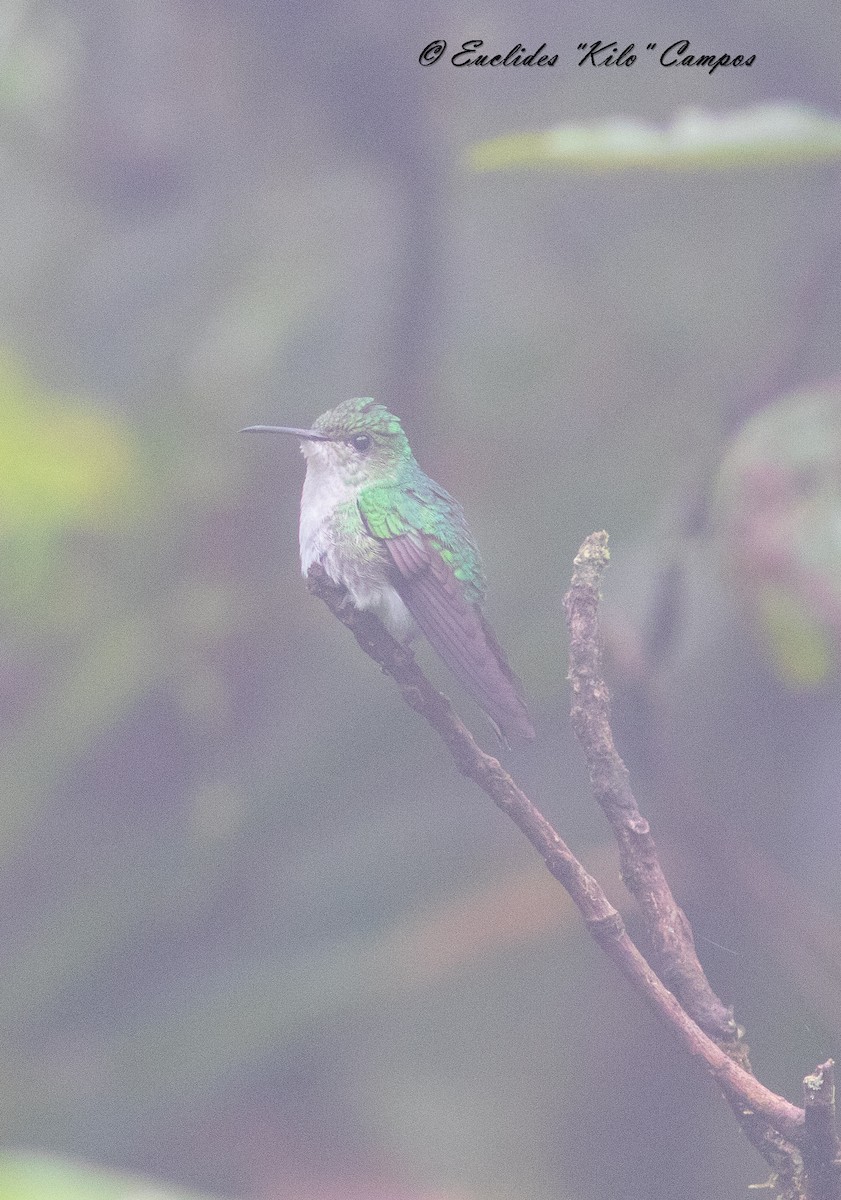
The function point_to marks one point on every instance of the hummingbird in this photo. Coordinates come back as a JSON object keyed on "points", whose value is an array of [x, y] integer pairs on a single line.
{"points": [[399, 544]]}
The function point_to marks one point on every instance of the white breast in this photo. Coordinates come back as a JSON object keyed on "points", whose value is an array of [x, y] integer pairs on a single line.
{"points": [[323, 492]]}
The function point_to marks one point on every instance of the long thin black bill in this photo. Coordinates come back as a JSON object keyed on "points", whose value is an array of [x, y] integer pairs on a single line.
{"points": [[311, 435]]}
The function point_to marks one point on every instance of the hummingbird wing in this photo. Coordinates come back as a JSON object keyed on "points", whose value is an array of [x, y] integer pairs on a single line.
{"points": [[438, 575]]}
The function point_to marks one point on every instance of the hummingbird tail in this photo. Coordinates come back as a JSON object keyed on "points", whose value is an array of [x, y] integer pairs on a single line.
{"points": [[460, 635], [518, 723]]}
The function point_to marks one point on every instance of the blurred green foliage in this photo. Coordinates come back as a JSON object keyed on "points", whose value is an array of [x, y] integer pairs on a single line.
{"points": [[64, 464], [800, 649], [41, 1178], [778, 512], [766, 135]]}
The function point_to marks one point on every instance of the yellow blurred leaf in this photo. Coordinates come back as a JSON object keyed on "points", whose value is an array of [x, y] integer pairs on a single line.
{"points": [[800, 648], [62, 462]]}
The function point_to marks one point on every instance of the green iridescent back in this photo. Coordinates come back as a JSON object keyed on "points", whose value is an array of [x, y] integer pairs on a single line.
{"points": [[412, 503], [405, 501]]}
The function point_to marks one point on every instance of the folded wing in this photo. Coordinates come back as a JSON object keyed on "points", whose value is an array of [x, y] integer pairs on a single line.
{"points": [[453, 623]]}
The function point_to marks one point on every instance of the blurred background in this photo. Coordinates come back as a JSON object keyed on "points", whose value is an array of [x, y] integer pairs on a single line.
{"points": [[258, 939]]}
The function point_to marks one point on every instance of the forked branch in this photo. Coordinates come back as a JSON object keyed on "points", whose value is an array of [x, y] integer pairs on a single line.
{"points": [[683, 997]]}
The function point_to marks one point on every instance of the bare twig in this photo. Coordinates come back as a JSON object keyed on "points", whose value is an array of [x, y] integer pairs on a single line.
{"points": [[602, 920], [668, 928], [821, 1150]]}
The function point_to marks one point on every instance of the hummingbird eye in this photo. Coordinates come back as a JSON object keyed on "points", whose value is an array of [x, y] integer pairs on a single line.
{"points": [[361, 442]]}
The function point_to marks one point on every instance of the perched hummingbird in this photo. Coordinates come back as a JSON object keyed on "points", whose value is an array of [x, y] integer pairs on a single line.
{"points": [[400, 546]]}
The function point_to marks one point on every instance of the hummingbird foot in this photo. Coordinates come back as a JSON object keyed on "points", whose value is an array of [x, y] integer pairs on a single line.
{"points": [[500, 736], [346, 602]]}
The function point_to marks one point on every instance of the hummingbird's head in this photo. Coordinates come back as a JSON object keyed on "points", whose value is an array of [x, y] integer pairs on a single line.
{"points": [[359, 440]]}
